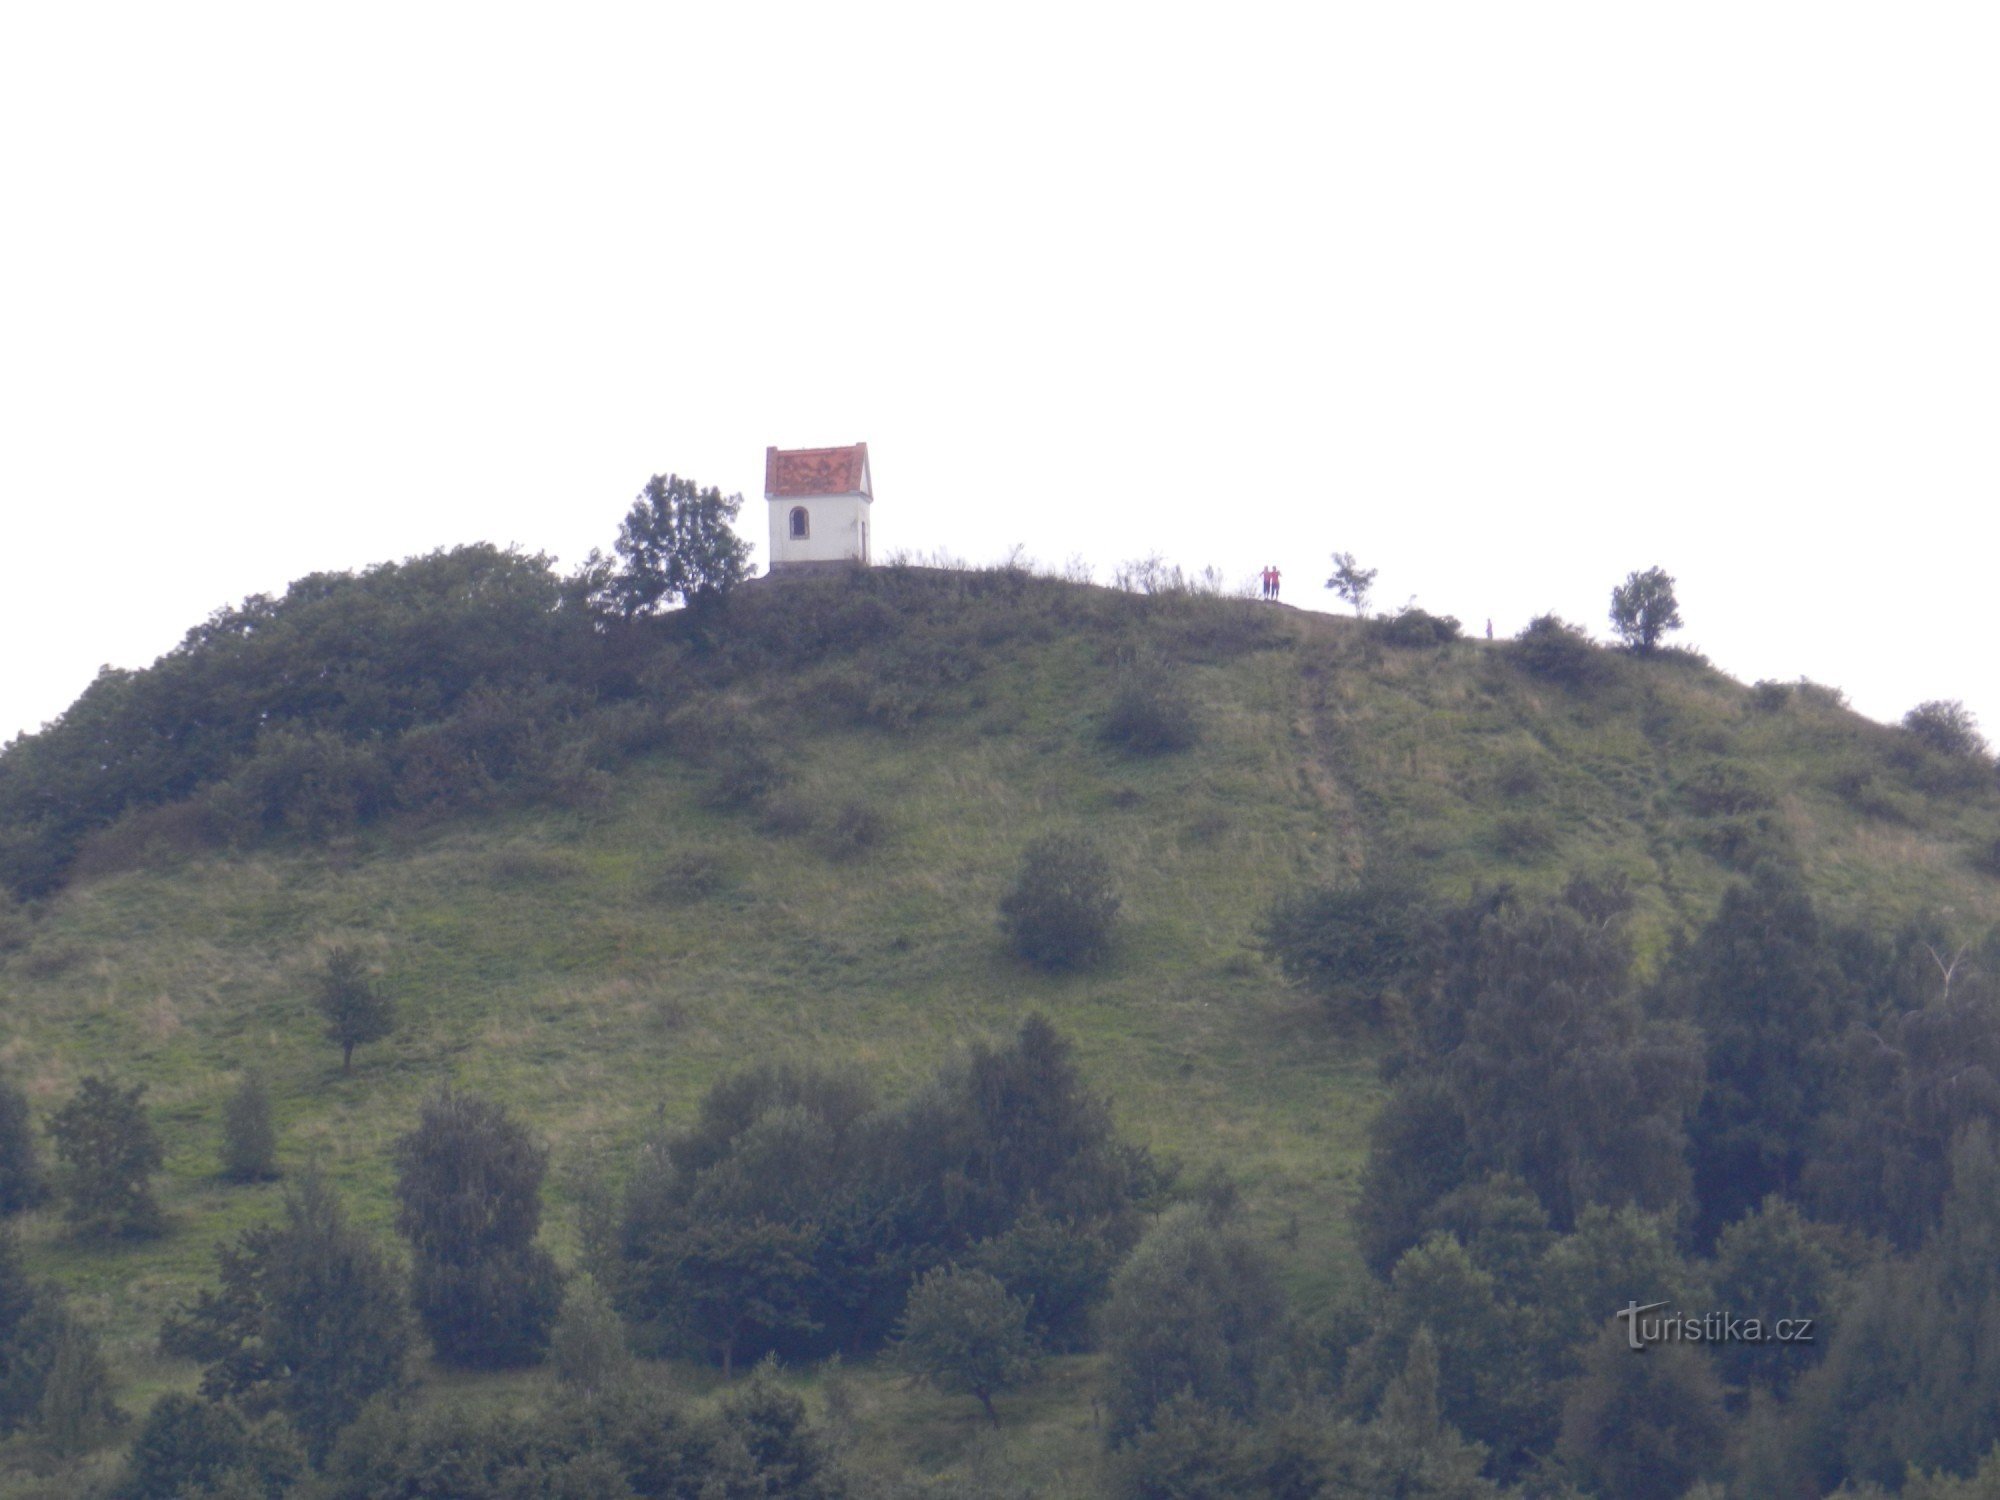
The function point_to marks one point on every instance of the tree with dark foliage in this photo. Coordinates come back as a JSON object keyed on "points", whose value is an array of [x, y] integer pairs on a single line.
{"points": [[676, 546], [1905, 1084], [309, 1319], [22, 1182], [1761, 982], [355, 1008], [52, 1374], [1196, 1309], [469, 1200], [1357, 947], [1908, 1379], [1644, 1426], [1560, 1077], [332, 676], [189, 1446], [641, 1441], [249, 1142], [1948, 727], [962, 1332], [1643, 609], [106, 1154]]}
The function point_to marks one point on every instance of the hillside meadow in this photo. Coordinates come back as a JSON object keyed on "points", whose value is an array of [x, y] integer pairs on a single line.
{"points": [[597, 959]]}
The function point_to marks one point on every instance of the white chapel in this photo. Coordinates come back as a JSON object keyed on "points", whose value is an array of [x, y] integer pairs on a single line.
{"points": [[819, 500]]}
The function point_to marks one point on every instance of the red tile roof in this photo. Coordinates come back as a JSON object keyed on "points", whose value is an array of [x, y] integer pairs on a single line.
{"points": [[815, 471]]}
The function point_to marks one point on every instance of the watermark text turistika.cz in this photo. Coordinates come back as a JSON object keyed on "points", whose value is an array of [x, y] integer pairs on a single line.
{"points": [[1708, 1328]]}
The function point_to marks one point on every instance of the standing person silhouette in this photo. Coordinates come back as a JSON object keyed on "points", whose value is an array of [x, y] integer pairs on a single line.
{"points": [[1276, 576]]}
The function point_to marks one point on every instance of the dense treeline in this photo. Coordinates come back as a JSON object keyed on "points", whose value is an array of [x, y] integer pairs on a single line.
{"points": [[796, 1217], [1790, 1120], [347, 695], [477, 673], [792, 1218]]}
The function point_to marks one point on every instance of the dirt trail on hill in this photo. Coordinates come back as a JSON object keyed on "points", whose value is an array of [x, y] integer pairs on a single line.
{"points": [[1315, 724]]}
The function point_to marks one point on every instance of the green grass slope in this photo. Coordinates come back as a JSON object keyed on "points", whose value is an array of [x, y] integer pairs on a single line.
{"points": [[597, 965]]}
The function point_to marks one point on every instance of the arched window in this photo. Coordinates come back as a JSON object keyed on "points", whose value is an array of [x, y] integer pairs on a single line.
{"points": [[801, 524]]}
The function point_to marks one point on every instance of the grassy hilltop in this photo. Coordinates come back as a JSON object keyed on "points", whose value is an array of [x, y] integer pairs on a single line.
{"points": [[787, 840]]}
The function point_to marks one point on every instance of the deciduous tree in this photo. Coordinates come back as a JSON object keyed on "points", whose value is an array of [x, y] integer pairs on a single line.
{"points": [[964, 1333], [1351, 581], [309, 1319], [106, 1154], [676, 546], [1195, 1309], [249, 1142], [469, 1200], [1948, 727], [1643, 609], [355, 1008]]}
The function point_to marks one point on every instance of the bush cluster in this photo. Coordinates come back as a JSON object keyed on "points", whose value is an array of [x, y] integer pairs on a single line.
{"points": [[1150, 713], [1060, 910], [1552, 648], [793, 1216], [1412, 628]]}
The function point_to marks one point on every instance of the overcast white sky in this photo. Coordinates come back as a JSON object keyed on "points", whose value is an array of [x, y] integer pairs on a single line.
{"points": [[1507, 299]]}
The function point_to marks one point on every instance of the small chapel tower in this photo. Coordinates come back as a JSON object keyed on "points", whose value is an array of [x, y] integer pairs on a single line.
{"points": [[819, 499]]}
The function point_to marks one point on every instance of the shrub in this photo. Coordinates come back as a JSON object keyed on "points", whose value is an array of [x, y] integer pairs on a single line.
{"points": [[1868, 794], [249, 1142], [856, 829], [1769, 696], [1150, 714], [52, 1374], [149, 836], [1551, 647], [1060, 911], [1524, 836], [1412, 628], [314, 783], [1743, 840], [786, 817], [1722, 788], [76, 1396], [1196, 1309], [1948, 727], [1518, 776], [493, 1309], [749, 776], [1986, 858], [691, 877], [1356, 947], [1060, 1270]]}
